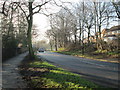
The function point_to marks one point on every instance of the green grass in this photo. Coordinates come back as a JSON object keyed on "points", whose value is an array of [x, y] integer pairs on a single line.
{"points": [[59, 78]]}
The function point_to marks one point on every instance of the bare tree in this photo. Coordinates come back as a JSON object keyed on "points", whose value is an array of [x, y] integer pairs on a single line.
{"points": [[60, 24], [29, 12], [50, 36], [89, 17]]}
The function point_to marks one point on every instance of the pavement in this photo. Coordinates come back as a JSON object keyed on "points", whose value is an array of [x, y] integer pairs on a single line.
{"points": [[103, 73], [11, 77]]}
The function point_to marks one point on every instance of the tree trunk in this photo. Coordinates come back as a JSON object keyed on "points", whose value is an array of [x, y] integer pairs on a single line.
{"points": [[88, 36], [75, 36], [51, 45], [80, 32], [56, 44], [30, 23]]}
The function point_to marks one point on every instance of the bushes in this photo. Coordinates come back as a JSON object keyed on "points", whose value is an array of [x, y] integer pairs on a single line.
{"points": [[105, 49], [89, 47], [9, 47], [73, 46]]}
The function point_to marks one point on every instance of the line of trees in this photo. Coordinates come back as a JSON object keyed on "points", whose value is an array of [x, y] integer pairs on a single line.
{"points": [[17, 25], [13, 28], [71, 25]]}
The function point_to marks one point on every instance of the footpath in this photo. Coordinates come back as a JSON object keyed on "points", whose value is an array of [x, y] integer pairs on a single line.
{"points": [[11, 77]]}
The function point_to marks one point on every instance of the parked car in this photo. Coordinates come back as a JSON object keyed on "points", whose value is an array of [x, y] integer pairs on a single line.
{"points": [[41, 49]]}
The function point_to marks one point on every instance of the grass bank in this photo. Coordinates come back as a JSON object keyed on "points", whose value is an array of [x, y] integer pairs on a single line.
{"points": [[44, 75], [97, 55]]}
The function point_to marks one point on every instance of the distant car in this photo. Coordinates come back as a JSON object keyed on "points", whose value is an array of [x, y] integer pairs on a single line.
{"points": [[41, 49]]}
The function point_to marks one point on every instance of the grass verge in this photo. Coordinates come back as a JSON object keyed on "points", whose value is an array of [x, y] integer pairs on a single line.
{"points": [[93, 56], [44, 75]]}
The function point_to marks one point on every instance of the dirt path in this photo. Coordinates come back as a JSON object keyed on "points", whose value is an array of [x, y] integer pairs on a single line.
{"points": [[10, 73]]}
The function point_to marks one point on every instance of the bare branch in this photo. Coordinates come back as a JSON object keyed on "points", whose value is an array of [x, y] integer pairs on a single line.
{"points": [[22, 9], [3, 9], [39, 6], [116, 9]]}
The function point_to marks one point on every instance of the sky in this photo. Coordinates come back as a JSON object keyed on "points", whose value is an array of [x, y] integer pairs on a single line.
{"points": [[42, 24]]}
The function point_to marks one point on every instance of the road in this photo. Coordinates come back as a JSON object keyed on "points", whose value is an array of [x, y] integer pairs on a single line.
{"points": [[102, 73]]}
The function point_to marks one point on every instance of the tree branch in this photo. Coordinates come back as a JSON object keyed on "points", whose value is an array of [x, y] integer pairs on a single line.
{"points": [[22, 10], [3, 9], [39, 7]]}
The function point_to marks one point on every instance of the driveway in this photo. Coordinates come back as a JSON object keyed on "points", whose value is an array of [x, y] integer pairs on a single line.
{"points": [[102, 73]]}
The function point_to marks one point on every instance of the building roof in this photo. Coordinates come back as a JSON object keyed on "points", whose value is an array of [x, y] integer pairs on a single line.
{"points": [[110, 36], [105, 29], [114, 28]]}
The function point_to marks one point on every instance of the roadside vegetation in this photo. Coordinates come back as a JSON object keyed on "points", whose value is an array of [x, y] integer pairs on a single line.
{"points": [[101, 55], [39, 74]]}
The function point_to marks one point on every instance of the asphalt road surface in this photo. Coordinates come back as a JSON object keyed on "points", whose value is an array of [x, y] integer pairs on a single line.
{"points": [[102, 73]]}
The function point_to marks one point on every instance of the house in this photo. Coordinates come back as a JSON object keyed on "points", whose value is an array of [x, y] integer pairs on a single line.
{"points": [[111, 34], [103, 32], [107, 35]]}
